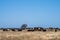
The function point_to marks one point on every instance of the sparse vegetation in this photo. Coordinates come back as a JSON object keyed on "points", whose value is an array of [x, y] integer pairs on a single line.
{"points": [[36, 35]]}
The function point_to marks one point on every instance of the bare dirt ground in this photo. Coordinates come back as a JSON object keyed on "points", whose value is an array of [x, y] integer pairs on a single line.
{"points": [[29, 35]]}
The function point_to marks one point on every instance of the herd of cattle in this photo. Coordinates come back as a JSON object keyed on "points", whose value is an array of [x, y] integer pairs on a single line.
{"points": [[31, 29]]}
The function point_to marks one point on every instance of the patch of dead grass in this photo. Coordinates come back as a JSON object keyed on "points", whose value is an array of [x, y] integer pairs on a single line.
{"points": [[30, 35]]}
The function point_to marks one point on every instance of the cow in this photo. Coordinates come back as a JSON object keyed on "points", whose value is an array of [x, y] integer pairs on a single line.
{"points": [[19, 29], [37, 28], [30, 29], [5, 29], [13, 29]]}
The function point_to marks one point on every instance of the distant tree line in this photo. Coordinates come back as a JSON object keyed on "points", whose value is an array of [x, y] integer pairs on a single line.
{"points": [[24, 27]]}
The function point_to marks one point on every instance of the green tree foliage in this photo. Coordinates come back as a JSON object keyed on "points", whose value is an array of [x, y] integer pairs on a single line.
{"points": [[24, 26]]}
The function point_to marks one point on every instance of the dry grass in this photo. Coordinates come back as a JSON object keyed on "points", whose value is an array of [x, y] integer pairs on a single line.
{"points": [[30, 35]]}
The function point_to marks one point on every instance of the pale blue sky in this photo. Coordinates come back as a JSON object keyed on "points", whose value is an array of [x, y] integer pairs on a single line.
{"points": [[31, 12]]}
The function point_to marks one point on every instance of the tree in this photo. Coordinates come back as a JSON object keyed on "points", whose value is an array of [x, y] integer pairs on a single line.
{"points": [[24, 26]]}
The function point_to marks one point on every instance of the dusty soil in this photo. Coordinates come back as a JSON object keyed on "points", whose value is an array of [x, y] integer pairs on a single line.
{"points": [[29, 35]]}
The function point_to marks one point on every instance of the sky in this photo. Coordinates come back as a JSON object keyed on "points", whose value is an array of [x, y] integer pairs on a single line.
{"points": [[42, 13]]}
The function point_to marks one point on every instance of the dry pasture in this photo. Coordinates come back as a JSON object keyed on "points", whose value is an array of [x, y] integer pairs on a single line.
{"points": [[37, 35]]}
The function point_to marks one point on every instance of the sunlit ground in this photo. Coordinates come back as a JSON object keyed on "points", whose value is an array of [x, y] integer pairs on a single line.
{"points": [[37, 35]]}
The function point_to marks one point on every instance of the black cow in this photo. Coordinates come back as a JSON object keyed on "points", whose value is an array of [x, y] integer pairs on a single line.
{"points": [[37, 28], [13, 29], [19, 29], [5, 29], [44, 30]]}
